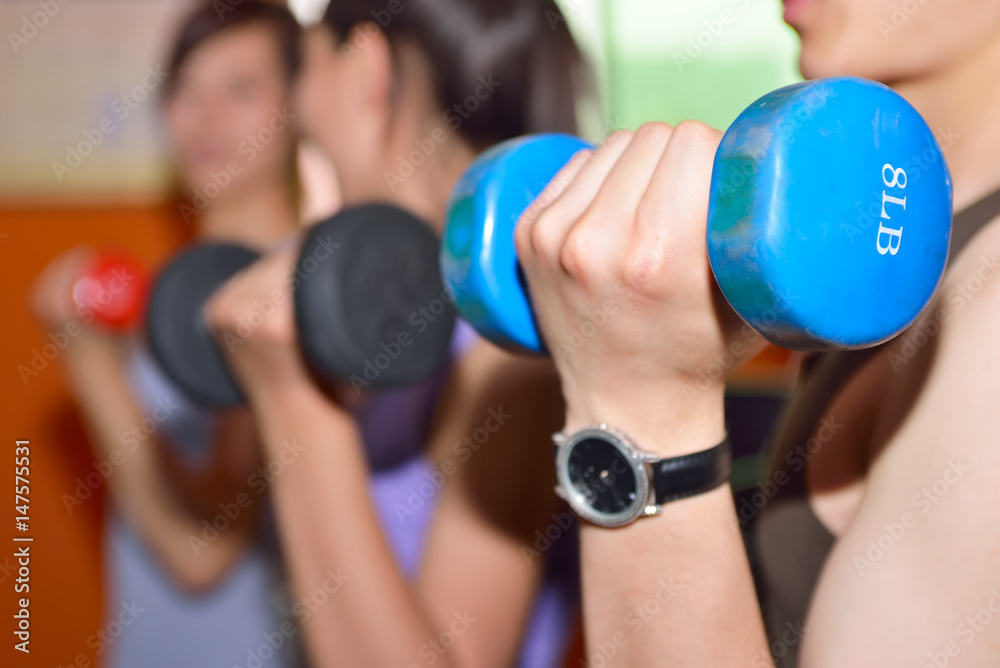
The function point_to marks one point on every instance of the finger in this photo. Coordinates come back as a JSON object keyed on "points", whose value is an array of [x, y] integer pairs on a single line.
{"points": [[672, 217], [626, 184], [555, 188], [548, 232], [293, 240], [57, 280], [601, 236]]}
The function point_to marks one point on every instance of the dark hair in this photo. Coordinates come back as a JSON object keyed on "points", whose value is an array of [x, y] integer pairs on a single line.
{"points": [[214, 18], [524, 44]]}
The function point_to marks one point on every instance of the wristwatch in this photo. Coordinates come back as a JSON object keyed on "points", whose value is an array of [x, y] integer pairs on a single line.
{"points": [[610, 482]]}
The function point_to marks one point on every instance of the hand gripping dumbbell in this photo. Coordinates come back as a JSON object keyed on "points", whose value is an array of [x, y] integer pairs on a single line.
{"points": [[362, 287], [111, 292], [829, 219]]}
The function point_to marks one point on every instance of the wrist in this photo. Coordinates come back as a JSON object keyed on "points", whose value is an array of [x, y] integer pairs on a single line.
{"points": [[287, 392], [284, 413], [673, 421]]}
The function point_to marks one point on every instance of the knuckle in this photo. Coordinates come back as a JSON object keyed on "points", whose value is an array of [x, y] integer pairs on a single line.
{"points": [[640, 267], [215, 313], [575, 253], [543, 237], [654, 131], [618, 137], [695, 134], [523, 238]]}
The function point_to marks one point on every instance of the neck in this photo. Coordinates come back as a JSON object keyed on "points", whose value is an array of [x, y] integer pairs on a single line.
{"points": [[425, 192], [961, 105], [443, 155], [257, 216]]}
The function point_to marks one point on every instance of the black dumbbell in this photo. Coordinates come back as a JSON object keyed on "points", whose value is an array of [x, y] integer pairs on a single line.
{"points": [[362, 288]]}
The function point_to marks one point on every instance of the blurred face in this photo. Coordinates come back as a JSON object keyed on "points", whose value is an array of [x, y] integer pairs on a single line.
{"points": [[890, 40], [342, 110], [228, 114]]}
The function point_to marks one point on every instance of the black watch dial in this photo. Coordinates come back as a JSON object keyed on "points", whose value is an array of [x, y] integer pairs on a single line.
{"points": [[603, 475]]}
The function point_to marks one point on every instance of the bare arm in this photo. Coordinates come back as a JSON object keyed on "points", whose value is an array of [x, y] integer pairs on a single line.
{"points": [[624, 232], [354, 605], [913, 579], [93, 367], [141, 491], [481, 555], [918, 564]]}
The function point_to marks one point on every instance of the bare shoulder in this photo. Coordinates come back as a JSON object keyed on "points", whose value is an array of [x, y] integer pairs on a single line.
{"points": [[921, 549], [963, 315], [971, 287]]}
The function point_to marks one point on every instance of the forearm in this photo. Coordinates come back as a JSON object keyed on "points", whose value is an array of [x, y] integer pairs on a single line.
{"points": [[331, 537], [674, 589], [94, 372]]}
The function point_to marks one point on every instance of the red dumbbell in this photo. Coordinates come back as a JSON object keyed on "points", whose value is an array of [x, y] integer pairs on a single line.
{"points": [[113, 287]]}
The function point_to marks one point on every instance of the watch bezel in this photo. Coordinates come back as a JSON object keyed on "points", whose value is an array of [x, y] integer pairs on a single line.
{"points": [[637, 460]]}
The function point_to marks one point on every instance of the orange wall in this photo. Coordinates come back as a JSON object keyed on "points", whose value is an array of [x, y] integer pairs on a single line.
{"points": [[66, 587]]}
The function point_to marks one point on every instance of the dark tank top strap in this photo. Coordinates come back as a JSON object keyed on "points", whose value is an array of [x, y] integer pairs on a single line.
{"points": [[824, 374], [790, 542], [971, 220]]}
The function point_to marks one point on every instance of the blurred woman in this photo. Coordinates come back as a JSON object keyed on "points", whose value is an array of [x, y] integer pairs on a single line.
{"points": [[421, 522], [208, 597]]}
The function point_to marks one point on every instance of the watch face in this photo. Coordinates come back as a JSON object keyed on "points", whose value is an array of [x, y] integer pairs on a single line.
{"points": [[603, 475]]}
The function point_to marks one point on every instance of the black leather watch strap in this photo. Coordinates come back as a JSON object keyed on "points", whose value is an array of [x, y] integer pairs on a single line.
{"points": [[680, 477]]}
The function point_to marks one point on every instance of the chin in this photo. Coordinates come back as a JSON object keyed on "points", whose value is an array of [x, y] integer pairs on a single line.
{"points": [[816, 63], [820, 63]]}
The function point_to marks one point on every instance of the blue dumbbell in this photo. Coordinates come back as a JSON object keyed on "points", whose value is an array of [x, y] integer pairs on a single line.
{"points": [[828, 228]]}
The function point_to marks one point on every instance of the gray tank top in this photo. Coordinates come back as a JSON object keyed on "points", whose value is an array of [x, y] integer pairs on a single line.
{"points": [[790, 542]]}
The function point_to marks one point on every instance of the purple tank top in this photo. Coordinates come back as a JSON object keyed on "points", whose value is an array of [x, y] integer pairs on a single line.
{"points": [[404, 493], [395, 426]]}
